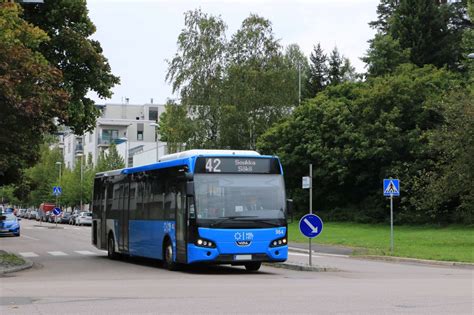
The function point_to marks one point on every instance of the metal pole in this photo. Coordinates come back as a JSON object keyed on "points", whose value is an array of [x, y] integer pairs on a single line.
{"points": [[81, 182], [391, 224], [299, 83], [310, 208]]}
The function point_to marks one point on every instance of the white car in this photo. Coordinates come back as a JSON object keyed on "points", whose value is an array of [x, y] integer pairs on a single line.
{"points": [[84, 218]]}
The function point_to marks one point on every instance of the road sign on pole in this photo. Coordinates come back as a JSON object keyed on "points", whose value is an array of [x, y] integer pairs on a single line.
{"points": [[56, 211], [57, 190], [306, 182], [311, 225], [391, 188]]}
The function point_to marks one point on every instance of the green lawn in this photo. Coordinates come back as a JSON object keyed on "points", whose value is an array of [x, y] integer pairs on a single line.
{"points": [[454, 243]]}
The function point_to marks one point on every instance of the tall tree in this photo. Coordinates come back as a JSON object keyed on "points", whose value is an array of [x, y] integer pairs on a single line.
{"points": [[196, 72], [31, 93], [79, 57], [318, 72], [335, 60], [176, 128], [299, 68], [110, 161]]}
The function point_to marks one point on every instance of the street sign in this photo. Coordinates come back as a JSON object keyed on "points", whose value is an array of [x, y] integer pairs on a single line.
{"points": [[56, 211], [311, 225], [391, 187], [57, 190], [306, 182]]}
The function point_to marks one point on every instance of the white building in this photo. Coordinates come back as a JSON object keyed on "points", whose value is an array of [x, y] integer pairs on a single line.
{"points": [[129, 126]]}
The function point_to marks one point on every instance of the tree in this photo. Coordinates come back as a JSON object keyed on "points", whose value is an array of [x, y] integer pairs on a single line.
{"points": [[335, 75], [297, 64], [109, 161], [318, 72], [79, 57], [176, 128], [384, 55], [31, 93], [197, 71]]}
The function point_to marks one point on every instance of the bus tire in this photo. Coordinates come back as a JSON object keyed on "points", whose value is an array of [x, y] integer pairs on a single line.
{"points": [[253, 266], [168, 262], [111, 247]]}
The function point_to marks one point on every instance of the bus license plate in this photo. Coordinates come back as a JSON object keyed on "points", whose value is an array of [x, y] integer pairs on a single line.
{"points": [[243, 257]]}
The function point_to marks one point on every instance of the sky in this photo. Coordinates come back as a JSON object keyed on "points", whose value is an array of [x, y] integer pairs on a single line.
{"points": [[138, 36]]}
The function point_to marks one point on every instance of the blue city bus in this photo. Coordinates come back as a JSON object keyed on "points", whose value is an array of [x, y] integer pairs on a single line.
{"points": [[197, 206]]}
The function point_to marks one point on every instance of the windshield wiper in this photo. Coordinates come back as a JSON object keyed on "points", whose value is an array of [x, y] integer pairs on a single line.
{"points": [[237, 217]]}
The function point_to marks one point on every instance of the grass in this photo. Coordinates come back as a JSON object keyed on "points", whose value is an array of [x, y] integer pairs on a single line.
{"points": [[453, 243], [8, 260]]}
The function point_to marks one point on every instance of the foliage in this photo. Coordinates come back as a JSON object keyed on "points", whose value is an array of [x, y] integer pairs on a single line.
{"points": [[31, 94], [355, 134], [75, 189], [297, 61], [318, 72], [109, 161], [8, 195], [175, 125], [79, 57]]}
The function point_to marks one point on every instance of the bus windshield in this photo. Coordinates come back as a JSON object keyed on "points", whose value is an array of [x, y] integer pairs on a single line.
{"points": [[255, 196]]}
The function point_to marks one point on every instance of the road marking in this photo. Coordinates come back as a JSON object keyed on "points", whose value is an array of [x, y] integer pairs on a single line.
{"points": [[57, 253], [84, 252], [28, 254], [31, 238], [301, 254], [322, 254]]}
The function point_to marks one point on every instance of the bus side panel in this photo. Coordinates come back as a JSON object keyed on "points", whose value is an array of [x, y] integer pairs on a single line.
{"points": [[146, 237]]}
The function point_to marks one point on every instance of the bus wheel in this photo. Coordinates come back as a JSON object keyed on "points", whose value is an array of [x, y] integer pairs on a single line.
{"points": [[253, 266], [168, 257], [111, 248]]}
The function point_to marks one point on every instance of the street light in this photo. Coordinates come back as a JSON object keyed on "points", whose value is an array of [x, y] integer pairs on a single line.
{"points": [[80, 154], [157, 128]]}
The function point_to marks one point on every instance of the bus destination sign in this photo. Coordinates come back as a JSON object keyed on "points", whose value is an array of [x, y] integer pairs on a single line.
{"points": [[237, 165]]}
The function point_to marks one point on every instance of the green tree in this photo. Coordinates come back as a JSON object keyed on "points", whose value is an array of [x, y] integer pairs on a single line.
{"points": [[79, 57], [75, 189], [31, 93], [335, 61], [109, 161], [384, 55], [318, 72], [196, 72], [176, 128], [298, 66]]}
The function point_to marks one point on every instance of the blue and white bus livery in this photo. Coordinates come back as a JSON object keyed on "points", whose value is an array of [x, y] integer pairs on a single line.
{"points": [[197, 206]]}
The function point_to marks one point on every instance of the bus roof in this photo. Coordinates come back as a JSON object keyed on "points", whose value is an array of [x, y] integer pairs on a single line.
{"points": [[185, 158]]}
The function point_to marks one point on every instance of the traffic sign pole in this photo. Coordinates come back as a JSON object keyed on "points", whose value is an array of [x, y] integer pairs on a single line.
{"points": [[310, 207], [391, 225]]}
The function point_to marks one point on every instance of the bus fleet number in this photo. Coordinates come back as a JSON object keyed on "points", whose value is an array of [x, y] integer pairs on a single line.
{"points": [[212, 165]]}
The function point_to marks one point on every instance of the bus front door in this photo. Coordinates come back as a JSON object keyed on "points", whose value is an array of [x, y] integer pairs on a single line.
{"points": [[181, 228], [123, 239]]}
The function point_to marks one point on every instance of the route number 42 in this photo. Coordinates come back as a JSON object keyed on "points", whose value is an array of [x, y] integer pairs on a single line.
{"points": [[212, 165]]}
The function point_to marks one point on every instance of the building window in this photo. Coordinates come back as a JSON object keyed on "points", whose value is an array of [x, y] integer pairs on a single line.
{"points": [[153, 114], [139, 132], [109, 135]]}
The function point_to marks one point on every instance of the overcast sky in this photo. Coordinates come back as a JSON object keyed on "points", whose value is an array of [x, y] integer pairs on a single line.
{"points": [[139, 35]]}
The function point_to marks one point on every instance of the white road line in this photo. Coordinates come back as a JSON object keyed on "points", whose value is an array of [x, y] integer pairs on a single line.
{"points": [[57, 253], [29, 237], [28, 254], [301, 254], [85, 252]]}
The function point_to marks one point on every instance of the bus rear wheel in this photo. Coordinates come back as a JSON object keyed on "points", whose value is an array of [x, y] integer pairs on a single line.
{"points": [[253, 266], [111, 248], [168, 262]]}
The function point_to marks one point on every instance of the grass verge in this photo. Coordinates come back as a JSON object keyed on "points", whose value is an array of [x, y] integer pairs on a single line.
{"points": [[453, 243], [10, 260]]}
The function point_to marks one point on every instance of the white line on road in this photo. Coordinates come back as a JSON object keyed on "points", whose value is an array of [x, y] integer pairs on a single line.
{"points": [[28, 254], [31, 238], [85, 252], [57, 253]]}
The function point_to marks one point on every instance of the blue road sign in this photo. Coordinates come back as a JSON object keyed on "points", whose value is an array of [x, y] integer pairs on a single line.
{"points": [[391, 187], [57, 190], [311, 225], [56, 211]]}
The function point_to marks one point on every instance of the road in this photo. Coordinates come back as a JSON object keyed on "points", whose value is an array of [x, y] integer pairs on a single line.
{"points": [[71, 276]]}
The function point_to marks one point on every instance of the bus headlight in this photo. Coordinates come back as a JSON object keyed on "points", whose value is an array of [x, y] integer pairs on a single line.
{"points": [[205, 243], [279, 242]]}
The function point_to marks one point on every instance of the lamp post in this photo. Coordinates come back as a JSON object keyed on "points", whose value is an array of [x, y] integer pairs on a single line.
{"points": [[157, 128], [80, 154]]}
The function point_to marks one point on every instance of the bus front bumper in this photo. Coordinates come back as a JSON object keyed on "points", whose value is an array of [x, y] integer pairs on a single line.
{"points": [[197, 254]]}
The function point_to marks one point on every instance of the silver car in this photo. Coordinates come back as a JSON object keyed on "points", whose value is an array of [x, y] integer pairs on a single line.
{"points": [[84, 218]]}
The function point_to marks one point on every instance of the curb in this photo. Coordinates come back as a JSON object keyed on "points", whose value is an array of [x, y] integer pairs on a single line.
{"points": [[301, 267], [417, 261], [28, 264]]}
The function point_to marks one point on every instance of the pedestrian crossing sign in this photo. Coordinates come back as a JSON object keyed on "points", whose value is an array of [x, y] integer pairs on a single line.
{"points": [[391, 187]]}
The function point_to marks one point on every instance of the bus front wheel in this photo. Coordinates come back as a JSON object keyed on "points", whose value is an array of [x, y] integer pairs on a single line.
{"points": [[253, 266], [168, 257], [111, 248]]}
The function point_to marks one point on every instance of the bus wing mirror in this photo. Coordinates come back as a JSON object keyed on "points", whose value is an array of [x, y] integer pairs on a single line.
{"points": [[190, 189], [289, 206]]}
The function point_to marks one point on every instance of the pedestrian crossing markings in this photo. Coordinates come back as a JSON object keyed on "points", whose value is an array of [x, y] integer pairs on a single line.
{"points": [[59, 253]]}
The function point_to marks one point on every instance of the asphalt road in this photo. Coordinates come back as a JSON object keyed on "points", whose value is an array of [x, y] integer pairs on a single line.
{"points": [[71, 276]]}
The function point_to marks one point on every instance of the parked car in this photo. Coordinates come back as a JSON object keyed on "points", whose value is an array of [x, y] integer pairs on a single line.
{"points": [[9, 224], [21, 213], [64, 217], [84, 218]]}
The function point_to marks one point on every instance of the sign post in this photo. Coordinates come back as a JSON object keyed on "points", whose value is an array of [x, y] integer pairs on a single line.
{"points": [[311, 226], [56, 212], [308, 184], [391, 188]]}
